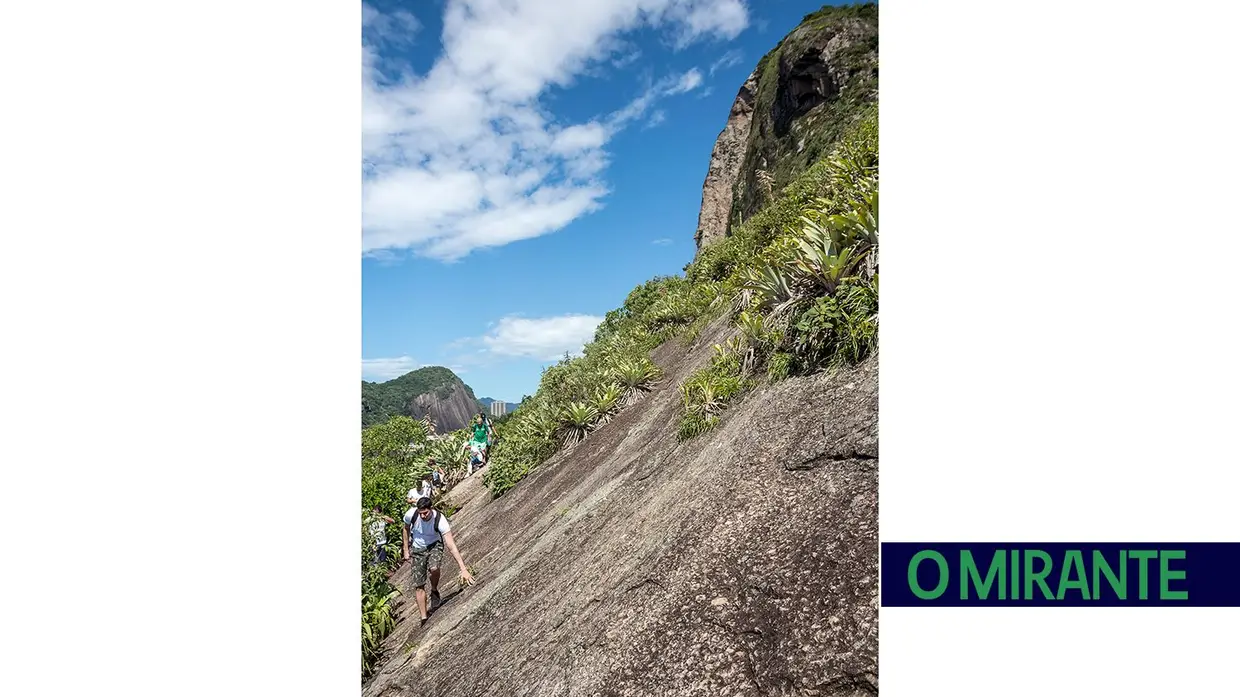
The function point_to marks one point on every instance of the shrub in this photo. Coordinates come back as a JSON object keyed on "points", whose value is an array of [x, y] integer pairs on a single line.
{"points": [[576, 421], [377, 622], [606, 403], [705, 394], [694, 423], [838, 329], [779, 366], [635, 377]]}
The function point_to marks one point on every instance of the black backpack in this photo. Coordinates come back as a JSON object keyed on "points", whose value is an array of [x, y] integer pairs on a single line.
{"points": [[434, 526]]}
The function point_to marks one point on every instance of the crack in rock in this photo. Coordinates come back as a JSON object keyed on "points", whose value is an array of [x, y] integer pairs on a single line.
{"points": [[850, 682], [643, 582], [816, 461]]}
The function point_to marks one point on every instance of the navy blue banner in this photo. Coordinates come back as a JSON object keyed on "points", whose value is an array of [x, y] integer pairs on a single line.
{"points": [[1040, 574]]}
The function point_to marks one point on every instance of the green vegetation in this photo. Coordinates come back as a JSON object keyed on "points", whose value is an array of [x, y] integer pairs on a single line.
{"points": [[390, 456], [383, 400], [394, 455], [377, 622], [783, 143], [799, 281]]}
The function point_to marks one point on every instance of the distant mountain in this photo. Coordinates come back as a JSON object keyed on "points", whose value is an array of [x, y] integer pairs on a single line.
{"points": [[435, 390]]}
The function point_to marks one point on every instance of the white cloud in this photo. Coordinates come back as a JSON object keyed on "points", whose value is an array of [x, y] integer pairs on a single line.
{"points": [[687, 82], [384, 369], [465, 157], [656, 118], [626, 59], [727, 60], [668, 86], [397, 27], [725, 18], [662, 241], [546, 338]]}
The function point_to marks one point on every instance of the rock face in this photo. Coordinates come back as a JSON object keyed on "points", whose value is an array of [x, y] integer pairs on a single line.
{"points": [[725, 165], [789, 113], [435, 390], [742, 562], [451, 407]]}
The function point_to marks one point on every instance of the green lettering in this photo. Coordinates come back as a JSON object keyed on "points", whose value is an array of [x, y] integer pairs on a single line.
{"points": [[1072, 561], [1143, 577], [912, 574], [1015, 557], [1166, 575], [1119, 585], [1038, 577], [968, 572]]}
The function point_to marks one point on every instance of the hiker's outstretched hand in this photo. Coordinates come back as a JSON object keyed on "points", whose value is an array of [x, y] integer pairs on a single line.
{"points": [[467, 577]]}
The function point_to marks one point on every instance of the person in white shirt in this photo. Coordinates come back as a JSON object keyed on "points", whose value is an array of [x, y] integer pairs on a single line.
{"points": [[378, 533], [425, 488], [423, 537], [476, 456]]}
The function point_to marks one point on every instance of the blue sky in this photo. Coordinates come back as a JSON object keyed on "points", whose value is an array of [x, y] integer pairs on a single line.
{"points": [[526, 163]]}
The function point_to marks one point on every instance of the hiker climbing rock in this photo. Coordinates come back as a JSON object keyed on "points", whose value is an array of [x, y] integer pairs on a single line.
{"points": [[483, 435], [424, 536], [474, 457], [425, 488]]}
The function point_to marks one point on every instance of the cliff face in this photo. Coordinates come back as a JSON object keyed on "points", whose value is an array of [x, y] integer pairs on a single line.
{"points": [[434, 390], [789, 113], [743, 562], [451, 408], [725, 166]]}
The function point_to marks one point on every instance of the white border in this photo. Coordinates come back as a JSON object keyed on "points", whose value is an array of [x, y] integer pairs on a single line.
{"points": [[181, 301], [1058, 354], [181, 284]]}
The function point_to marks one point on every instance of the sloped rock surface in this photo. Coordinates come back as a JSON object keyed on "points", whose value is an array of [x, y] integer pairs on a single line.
{"points": [[743, 562]]}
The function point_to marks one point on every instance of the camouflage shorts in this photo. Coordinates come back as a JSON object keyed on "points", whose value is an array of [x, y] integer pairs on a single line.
{"points": [[424, 561]]}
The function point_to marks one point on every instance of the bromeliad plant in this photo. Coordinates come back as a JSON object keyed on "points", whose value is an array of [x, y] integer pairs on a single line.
{"points": [[707, 392], [753, 341], [635, 377], [833, 247], [576, 422], [772, 291], [448, 450], [606, 403], [377, 623]]}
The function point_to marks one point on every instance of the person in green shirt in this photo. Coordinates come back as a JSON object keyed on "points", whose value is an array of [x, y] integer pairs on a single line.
{"points": [[482, 438]]}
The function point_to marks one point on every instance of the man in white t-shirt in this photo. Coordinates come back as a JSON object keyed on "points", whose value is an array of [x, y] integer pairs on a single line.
{"points": [[423, 537], [424, 488]]}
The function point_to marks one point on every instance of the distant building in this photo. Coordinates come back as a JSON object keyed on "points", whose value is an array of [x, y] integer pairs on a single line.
{"points": [[498, 409]]}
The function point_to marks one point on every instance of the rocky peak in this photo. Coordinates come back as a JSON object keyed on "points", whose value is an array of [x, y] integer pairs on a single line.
{"points": [[789, 112], [433, 391], [815, 69]]}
